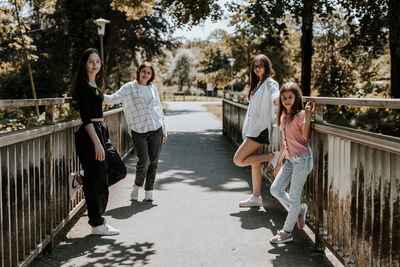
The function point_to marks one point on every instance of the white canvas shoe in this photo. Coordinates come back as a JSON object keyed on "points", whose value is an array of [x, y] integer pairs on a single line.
{"points": [[282, 237], [149, 195], [135, 193], [252, 201], [73, 184], [104, 229]]}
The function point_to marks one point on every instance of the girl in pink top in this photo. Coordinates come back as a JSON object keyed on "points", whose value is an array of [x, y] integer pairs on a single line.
{"points": [[294, 124]]}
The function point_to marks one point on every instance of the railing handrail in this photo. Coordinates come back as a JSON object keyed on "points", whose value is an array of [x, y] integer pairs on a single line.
{"points": [[27, 134], [383, 142], [360, 102], [17, 103]]}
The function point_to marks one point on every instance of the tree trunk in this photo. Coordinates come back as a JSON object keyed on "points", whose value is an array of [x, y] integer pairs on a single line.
{"points": [[306, 46], [394, 44], [26, 55], [31, 81]]}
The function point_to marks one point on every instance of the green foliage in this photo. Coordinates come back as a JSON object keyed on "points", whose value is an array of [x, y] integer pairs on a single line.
{"points": [[383, 121], [134, 9], [261, 28], [182, 72], [373, 25], [214, 63], [191, 12]]}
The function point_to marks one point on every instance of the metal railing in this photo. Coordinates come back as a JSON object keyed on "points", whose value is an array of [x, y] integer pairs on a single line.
{"points": [[354, 189], [35, 164]]}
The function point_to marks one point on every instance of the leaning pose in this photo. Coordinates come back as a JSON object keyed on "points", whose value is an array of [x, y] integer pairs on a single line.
{"points": [[294, 122], [263, 96], [145, 119], [101, 163]]}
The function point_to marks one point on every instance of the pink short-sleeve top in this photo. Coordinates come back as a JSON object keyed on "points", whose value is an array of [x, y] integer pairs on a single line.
{"points": [[292, 135]]}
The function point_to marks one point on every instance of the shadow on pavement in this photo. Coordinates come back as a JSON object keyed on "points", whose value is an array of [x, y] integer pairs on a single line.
{"points": [[126, 212], [97, 250], [101, 251], [201, 159], [181, 112]]}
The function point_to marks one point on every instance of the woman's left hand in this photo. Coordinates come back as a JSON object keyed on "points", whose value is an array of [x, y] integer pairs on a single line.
{"points": [[309, 106], [164, 138]]}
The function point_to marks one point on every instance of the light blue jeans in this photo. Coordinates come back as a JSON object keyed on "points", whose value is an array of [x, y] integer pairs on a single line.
{"points": [[294, 171]]}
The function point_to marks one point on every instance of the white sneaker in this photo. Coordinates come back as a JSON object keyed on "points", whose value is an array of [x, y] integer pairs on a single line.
{"points": [[274, 160], [135, 193], [252, 201], [104, 229], [148, 195], [73, 185]]}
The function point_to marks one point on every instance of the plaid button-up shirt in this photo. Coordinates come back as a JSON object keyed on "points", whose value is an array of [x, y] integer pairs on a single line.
{"points": [[141, 105]]}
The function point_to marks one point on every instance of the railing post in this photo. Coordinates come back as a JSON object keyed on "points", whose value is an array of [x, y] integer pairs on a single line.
{"points": [[319, 112], [49, 161], [50, 118]]}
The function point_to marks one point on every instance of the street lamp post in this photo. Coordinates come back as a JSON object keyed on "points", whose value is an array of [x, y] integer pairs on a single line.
{"points": [[231, 62], [101, 28]]}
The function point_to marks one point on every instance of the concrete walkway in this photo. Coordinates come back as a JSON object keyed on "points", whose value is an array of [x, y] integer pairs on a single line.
{"points": [[195, 219]]}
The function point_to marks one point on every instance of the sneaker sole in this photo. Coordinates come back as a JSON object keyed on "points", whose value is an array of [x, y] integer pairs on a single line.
{"points": [[111, 233], [290, 239], [249, 206]]}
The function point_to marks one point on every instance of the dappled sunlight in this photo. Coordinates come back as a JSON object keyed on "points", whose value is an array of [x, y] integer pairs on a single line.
{"points": [[102, 251], [200, 159]]}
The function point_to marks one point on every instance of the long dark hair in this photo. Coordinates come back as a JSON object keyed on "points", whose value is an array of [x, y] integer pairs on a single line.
{"points": [[81, 77], [297, 105], [143, 65], [254, 79]]}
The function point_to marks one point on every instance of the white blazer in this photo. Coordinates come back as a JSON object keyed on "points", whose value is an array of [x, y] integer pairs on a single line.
{"points": [[261, 110]]}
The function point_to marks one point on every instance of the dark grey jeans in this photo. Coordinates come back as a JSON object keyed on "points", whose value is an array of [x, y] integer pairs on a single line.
{"points": [[147, 146]]}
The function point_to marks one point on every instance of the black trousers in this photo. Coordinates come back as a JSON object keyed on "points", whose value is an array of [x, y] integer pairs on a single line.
{"points": [[147, 146], [99, 175]]}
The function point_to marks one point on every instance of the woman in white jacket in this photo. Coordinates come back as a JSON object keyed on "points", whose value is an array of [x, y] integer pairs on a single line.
{"points": [[263, 97]]}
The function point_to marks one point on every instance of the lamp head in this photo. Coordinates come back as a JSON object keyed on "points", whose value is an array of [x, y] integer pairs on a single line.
{"points": [[101, 25], [231, 61]]}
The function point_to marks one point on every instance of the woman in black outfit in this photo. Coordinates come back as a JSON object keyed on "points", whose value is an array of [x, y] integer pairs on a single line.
{"points": [[100, 161]]}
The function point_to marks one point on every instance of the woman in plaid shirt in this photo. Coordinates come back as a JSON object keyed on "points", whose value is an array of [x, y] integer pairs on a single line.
{"points": [[145, 118]]}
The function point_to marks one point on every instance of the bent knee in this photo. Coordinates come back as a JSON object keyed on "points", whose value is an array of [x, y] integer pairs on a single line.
{"points": [[274, 190], [143, 163], [238, 161]]}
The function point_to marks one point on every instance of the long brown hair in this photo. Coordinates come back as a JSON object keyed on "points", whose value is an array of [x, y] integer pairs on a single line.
{"points": [[297, 105], [254, 79], [143, 65], [81, 76]]}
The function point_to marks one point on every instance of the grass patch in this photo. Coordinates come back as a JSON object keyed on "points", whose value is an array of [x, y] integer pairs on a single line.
{"points": [[215, 109], [164, 106]]}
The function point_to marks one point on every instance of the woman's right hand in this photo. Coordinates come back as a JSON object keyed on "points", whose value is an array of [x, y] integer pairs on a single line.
{"points": [[277, 168], [100, 155]]}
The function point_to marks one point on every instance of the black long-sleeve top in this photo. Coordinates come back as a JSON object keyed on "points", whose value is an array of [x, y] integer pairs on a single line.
{"points": [[90, 100]]}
